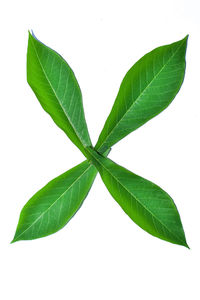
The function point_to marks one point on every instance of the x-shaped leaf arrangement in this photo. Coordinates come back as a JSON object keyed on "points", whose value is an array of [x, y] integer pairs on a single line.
{"points": [[147, 89]]}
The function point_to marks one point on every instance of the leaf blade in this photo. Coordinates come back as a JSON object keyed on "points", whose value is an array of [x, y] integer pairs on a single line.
{"points": [[55, 204], [145, 203], [144, 93], [56, 88]]}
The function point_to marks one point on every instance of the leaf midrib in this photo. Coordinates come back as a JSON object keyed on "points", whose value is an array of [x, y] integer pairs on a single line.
{"points": [[53, 203], [139, 96], [141, 204], [54, 92]]}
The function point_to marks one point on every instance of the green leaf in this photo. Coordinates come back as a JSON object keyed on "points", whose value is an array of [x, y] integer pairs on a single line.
{"points": [[144, 202], [146, 90], [56, 203], [57, 90]]}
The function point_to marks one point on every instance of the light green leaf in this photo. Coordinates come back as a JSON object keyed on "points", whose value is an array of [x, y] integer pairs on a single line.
{"points": [[57, 90], [56, 203], [146, 90], [144, 202]]}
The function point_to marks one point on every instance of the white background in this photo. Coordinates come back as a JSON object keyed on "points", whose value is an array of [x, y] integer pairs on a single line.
{"points": [[101, 253]]}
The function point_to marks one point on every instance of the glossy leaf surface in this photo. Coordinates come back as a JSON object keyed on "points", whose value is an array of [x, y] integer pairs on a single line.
{"points": [[56, 203], [146, 90], [57, 90], [144, 202]]}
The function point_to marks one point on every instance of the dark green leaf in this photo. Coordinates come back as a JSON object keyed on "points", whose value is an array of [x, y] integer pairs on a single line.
{"points": [[57, 90], [146, 90], [56, 203], [144, 202]]}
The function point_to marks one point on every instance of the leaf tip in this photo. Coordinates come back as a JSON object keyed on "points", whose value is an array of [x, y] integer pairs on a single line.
{"points": [[32, 35], [186, 245], [184, 41], [186, 38], [29, 33], [13, 240]]}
